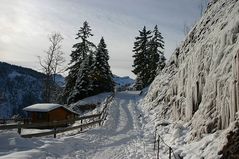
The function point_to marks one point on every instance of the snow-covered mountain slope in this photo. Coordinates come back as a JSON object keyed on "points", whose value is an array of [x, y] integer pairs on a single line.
{"points": [[59, 80], [19, 87], [198, 91], [123, 82]]}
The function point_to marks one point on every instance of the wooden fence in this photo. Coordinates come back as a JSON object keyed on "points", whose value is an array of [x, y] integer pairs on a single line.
{"points": [[5, 121], [159, 140], [94, 119]]}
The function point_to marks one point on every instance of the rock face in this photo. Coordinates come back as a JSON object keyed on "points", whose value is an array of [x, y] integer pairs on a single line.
{"points": [[200, 83], [231, 149]]}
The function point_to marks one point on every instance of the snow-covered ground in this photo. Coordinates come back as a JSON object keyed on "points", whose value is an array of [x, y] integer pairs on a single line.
{"points": [[125, 134], [128, 133], [109, 141]]}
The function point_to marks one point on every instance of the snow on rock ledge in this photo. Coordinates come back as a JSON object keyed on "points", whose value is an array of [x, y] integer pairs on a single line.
{"points": [[200, 83]]}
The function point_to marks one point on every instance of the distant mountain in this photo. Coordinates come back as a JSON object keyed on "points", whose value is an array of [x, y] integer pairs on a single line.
{"points": [[19, 87], [60, 80], [123, 82]]}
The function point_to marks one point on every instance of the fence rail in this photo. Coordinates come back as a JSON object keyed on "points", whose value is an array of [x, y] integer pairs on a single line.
{"points": [[97, 119], [157, 141], [56, 131], [6, 120]]}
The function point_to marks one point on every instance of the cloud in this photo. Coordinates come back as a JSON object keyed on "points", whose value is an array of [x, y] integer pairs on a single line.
{"points": [[25, 24]]}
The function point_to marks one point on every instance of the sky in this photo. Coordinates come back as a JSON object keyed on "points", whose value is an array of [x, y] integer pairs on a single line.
{"points": [[26, 24]]}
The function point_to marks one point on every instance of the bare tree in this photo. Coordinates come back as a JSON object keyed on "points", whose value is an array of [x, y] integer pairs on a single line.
{"points": [[52, 63]]}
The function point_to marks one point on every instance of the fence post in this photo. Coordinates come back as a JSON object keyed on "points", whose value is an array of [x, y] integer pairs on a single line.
{"points": [[102, 117], [99, 119], [155, 138], [158, 147], [170, 151], [54, 132], [19, 128]]}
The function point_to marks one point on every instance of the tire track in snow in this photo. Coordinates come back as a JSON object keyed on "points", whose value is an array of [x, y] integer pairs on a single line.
{"points": [[125, 126], [126, 122]]}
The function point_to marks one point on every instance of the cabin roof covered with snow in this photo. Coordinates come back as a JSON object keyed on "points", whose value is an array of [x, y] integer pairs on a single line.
{"points": [[43, 107], [46, 107]]}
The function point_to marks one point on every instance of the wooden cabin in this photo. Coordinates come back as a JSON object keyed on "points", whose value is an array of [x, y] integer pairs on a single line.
{"points": [[48, 112]]}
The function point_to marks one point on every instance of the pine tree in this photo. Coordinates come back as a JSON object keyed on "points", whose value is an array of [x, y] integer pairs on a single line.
{"points": [[142, 59], [91, 60], [157, 59], [81, 89], [102, 75], [89, 73], [70, 83], [83, 48], [81, 51]]}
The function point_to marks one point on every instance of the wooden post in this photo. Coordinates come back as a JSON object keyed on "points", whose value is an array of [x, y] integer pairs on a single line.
{"points": [[170, 151], [19, 128], [102, 118], [81, 124], [54, 132], [155, 143], [99, 121], [158, 147], [155, 139]]}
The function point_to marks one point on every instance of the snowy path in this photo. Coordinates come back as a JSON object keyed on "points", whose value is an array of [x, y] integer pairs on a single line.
{"points": [[112, 141], [121, 128]]}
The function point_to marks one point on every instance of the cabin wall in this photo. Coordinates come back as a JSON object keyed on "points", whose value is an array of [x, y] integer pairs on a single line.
{"points": [[59, 114], [54, 115], [39, 117]]}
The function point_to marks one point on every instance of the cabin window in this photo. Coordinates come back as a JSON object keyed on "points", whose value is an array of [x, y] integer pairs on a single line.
{"points": [[41, 116]]}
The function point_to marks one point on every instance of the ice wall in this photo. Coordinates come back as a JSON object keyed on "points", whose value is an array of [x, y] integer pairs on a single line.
{"points": [[200, 83]]}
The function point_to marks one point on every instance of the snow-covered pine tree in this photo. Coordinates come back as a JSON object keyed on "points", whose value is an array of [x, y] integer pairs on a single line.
{"points": [[142, 59], [81, 87], [91, 72], [101, 73], [70, 83], [157, 58], [81, 51]]}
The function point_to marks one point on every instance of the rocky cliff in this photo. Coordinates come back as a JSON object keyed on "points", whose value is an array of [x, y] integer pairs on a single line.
{"points": [[200, 84]]}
